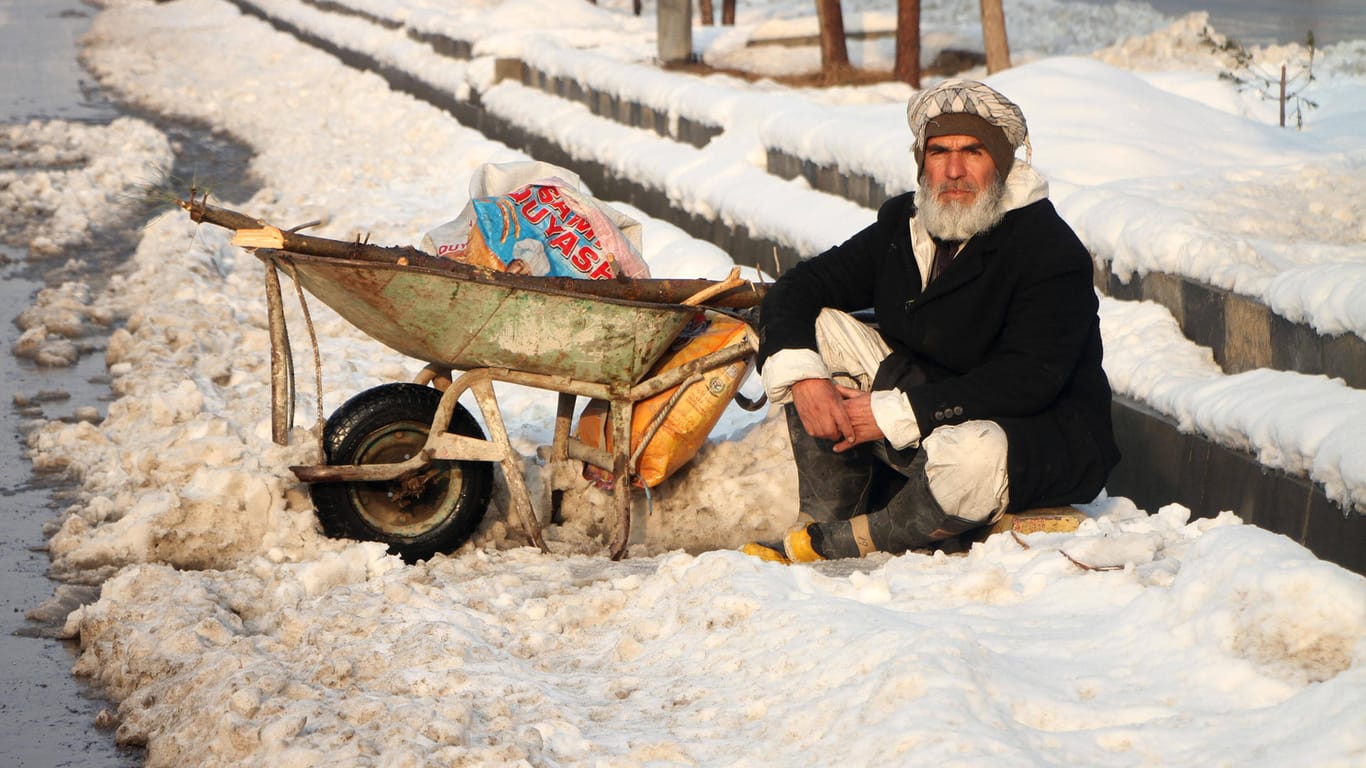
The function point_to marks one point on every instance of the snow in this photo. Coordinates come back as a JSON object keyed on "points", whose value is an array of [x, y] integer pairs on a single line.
{"points": [[232, 632], [56, 208]]}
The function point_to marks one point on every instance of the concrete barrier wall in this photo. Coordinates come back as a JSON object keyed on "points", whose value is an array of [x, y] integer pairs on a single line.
{"points": [[1162, 465], [1244, 333]]}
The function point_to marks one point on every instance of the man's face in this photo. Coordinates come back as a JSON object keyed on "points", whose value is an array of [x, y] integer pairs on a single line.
{"points": [[957, 169]]}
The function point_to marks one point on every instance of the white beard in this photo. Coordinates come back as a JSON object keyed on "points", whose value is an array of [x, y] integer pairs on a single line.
{"points": [[955, 221]]}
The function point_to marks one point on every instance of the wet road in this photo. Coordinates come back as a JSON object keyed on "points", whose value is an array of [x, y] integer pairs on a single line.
{"points": [[47, 717]]}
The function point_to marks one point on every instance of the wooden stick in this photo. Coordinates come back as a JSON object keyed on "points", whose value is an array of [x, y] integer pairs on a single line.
{"points": [[732, 281], [1087, 567], [252, 232]]}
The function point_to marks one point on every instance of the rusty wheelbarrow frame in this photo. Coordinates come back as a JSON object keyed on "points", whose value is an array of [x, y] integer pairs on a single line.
{"points": [[578, 338]]}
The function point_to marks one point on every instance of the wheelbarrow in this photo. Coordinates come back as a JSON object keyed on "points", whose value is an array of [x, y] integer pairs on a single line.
{"points": [[406, 463]]}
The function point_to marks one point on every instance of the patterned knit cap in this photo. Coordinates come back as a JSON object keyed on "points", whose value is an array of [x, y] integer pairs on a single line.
{"points": [[970, 108]]}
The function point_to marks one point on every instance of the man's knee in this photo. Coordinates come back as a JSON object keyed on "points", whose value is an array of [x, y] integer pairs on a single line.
{"points": [[850, 349], [965, 465]]}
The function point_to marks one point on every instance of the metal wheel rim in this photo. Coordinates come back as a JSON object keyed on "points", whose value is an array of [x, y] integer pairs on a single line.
{"points": [[377, 503]]}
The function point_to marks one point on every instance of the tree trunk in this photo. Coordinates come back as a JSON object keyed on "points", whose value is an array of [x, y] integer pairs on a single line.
{"points": [[704, 10], [994, 36], [907, 68], [728, 12], [834, 51]]}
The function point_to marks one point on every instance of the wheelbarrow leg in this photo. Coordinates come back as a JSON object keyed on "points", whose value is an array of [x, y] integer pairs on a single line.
{"points": [[281, 361], [621, 473], [559, 450], [438, 376], [482, 387]]}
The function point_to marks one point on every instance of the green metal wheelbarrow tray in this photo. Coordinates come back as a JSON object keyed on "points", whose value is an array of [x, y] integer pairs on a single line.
{"points": [[406, 465]]}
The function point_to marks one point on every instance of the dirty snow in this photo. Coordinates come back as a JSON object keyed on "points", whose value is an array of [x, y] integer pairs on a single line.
{"points": [[232, 632]]}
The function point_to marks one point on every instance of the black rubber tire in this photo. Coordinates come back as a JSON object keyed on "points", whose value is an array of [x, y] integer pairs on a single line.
{"points": [[387, 424]]}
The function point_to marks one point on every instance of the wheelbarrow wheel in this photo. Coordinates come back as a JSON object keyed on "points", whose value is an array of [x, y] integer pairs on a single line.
{"points": [[434, 511]]}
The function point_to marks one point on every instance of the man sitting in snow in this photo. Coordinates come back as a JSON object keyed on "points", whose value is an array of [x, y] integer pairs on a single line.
{"points": [[980, 390]]}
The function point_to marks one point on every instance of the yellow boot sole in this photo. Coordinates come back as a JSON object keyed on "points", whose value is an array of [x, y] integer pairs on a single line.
{"points": [[797, 546], [766, 553]]}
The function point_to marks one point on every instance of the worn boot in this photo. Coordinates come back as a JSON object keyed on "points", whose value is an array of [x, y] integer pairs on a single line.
{"points": [[794, 548], [912, 518], [830, 485], [769, 552]]}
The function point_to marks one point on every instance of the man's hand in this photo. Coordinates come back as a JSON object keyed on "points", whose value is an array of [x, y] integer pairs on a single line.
{"points": [[858, 406], [832, 412], [822, 412]]}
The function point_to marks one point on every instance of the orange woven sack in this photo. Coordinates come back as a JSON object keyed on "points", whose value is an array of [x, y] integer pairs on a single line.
{"points": [[693, 416]]}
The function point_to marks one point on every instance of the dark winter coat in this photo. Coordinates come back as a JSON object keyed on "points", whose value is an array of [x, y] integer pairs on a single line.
{"points": [[1009, 332]]}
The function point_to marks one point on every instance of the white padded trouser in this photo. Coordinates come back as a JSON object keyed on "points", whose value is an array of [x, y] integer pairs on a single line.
{"points": [[965, 463]]}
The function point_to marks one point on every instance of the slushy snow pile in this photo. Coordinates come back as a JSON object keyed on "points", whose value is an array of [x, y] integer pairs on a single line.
{"points": [[232, 632]]}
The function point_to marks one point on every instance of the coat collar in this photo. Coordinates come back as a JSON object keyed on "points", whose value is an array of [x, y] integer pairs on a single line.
{"points": [[1024, 186]]}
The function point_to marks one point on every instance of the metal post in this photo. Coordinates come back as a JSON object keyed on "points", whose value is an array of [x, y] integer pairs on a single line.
{"points": [[675, 31], [619, 417], [1282, 95]]}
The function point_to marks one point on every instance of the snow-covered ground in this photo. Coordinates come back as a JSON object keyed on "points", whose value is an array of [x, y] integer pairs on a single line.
{"points": [[231, 631]]}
